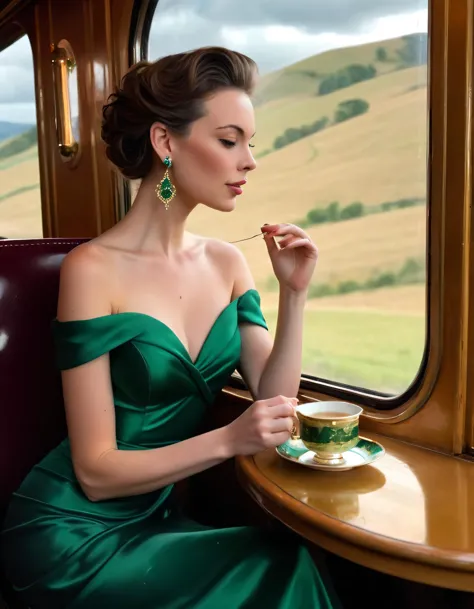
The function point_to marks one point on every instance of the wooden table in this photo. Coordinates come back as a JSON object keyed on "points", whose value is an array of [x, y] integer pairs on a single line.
{"points": [[411, 514]]}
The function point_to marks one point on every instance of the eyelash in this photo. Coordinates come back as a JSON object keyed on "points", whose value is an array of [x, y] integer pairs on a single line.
{"points": [[229, 144]]}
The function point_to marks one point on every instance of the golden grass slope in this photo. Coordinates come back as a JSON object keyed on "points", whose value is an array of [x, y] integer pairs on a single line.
{"points": [[18, 171], [273, 118], [303, 77], [377, 157], [355, 249], [399, 300], [20, 216]]}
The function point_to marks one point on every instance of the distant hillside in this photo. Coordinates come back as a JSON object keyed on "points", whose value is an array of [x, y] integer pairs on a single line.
{"points": [[19, 144], [304, 77], [8, 130]]}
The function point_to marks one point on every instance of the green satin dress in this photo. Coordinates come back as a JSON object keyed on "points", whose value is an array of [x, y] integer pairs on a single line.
{"points": [[62, 551]]}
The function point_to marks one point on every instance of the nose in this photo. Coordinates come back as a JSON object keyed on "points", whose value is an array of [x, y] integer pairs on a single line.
{"points": [[248, 163]]}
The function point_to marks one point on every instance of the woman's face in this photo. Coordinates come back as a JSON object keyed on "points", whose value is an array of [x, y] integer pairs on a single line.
{"points": [[211, 164]]}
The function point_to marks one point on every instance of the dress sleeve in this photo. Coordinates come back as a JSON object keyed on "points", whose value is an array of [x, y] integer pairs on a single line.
{"points": [[249, 309], [79, 342]]}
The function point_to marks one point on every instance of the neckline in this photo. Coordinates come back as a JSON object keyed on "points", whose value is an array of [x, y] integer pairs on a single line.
{"points": [[153, 319]]}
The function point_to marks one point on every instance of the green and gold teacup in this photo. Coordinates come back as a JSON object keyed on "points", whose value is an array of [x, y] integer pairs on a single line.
{"points": [[329, 429]]}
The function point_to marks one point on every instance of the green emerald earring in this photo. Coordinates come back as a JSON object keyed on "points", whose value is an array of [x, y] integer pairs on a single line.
{"points": [[166, 190]]}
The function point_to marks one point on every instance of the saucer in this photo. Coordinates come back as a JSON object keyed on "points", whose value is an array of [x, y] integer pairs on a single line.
{"points": [[364, 453]]}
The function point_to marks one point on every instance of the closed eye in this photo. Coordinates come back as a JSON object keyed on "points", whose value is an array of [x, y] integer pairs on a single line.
{"points": [[231, 144]]}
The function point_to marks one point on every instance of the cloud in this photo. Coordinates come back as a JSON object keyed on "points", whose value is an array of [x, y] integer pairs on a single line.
{"points": [[17, 84], [18, 113], [274, 32], [315, 16], [18, 54]]}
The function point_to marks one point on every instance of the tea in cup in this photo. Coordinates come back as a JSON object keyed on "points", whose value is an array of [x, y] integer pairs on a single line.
{"points": [[329, 429]]}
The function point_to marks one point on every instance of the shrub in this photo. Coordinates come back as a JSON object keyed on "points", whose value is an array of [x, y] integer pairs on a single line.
{"points": [[346, 77], [350, 108], [293, 134], [354, 210], [412, 272]]}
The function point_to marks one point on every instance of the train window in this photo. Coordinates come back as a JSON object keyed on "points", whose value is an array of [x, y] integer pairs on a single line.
{"points": [[341, 147], [20, 197]]}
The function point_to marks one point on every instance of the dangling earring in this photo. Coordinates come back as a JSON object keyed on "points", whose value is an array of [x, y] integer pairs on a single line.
{"points": [[166, 190]]}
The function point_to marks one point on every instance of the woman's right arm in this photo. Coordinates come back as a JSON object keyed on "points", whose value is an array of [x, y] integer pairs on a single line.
{"points": [[103, 470]]}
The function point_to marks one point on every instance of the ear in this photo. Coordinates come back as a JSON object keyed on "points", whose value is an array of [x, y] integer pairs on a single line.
{"points": [[160, 140]]}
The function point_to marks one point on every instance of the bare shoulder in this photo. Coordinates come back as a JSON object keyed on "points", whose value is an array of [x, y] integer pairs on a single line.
{"points": [[231, 261], [85, 286]]}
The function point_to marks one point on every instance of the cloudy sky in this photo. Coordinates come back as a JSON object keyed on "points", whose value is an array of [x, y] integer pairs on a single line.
{"points": [[274, 32]]}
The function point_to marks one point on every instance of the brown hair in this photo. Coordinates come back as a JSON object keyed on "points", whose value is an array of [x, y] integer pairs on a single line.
{"points": [[172, 91]]}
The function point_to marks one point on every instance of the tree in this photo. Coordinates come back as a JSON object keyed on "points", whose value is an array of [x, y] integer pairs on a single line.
{"points": [[381, 54]]}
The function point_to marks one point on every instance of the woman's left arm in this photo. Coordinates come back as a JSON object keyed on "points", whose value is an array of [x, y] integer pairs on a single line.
{"points": [[273, 368]]}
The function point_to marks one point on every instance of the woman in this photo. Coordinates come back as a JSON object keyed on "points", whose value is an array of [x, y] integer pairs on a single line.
{"points": [[151, 322]]}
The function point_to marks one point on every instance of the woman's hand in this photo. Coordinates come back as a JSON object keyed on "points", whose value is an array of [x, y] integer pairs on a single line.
{"points": [[293, 258], [265, 424]]}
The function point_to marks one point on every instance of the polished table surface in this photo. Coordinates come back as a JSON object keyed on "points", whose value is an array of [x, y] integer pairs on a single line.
{"points": [[410, 514]]}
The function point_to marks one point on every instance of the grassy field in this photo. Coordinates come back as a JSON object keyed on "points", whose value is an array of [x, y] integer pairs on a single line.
{"points": [[374, 349]]}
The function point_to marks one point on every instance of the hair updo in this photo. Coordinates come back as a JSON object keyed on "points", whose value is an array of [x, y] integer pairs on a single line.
{"points": [[172, 91]]}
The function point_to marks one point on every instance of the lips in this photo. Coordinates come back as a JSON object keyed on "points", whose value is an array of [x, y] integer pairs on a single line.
{"points": [[236, 187]]}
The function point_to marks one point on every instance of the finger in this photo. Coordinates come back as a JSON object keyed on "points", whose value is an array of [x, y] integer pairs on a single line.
{"points": [[279, 399], [281, 424], [282, 410], [284, 400], [287, 240], [281, 437], [306, 243], [269, 228], [271, 244], [286, 229]]}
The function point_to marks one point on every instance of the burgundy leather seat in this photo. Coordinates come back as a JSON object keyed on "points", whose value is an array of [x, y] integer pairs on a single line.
{"points": [[31, 408]]}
